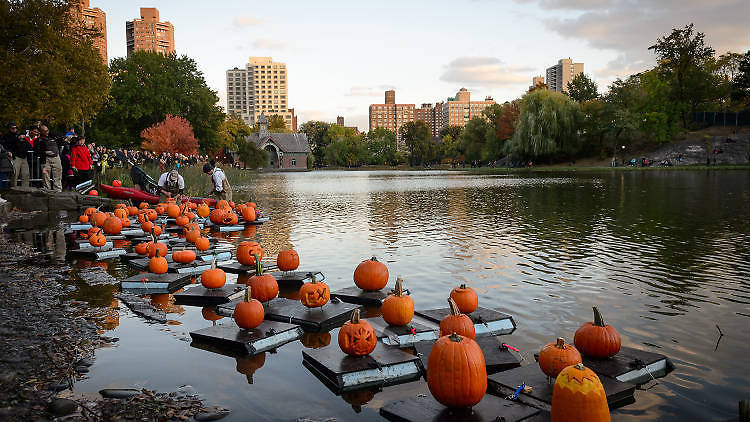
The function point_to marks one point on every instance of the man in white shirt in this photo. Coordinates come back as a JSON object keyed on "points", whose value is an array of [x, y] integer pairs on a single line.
{"points": [[221, 190], [171, 184]]}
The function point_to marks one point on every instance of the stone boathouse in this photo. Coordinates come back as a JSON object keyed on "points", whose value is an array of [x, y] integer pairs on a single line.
{"points": [[286, 151]]}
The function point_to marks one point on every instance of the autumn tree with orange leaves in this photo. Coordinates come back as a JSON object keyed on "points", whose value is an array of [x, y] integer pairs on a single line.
{"points": [[173, 134]]}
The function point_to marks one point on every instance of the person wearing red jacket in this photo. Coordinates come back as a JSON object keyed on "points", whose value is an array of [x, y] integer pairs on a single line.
{"points": [[80, 160]]}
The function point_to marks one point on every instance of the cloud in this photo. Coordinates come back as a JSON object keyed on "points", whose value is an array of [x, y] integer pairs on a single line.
{"points": [[485, 72], [246, 20], [269, 44], [368, 91]]}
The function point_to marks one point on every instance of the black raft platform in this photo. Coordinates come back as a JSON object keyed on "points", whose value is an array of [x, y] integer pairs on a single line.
{"points": [[505, 383], [341, 372], [296, 278], [201, 296], [147, 283], [235, 267], [631, 365], [330, 316], [268, 335], [496, 357], [490, 409], [402, 336], [487, 322], [364, 297]]}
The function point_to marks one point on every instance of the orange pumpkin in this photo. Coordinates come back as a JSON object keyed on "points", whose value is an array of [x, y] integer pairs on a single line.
{"points": [[192, 234], [116, 183], [264, 286], [173, 211], [202, 243], [222, 203], [357, 337], [151, 214], [578, 395], [160, 209], [83, 218], [315, 293], [112, 225], [287, 260], [121, 213], [182, 220], [142, 248], [156, 230], [248, 213], [184, 256], [125, 222], [371, 275], [213, 278], [147, 226], [230, 218], [90, 211], [597, 339], [158, 264], [143, 205], [457, 323], [100, 218], [398, 309], [132, 211], [556, 356], [203, 211], [97, 239], [466, 298], [155, 247], [456, 372], [249, 313], [247, 251], [217, 215]]}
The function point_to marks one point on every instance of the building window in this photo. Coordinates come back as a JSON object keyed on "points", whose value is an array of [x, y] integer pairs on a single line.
{"points": [[293, 161]]}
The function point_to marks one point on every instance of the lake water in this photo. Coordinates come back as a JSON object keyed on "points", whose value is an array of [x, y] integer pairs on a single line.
{"points": [[665, 255]]}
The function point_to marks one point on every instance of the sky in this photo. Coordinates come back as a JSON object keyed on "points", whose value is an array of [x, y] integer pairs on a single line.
{"points": [[342, 55]]}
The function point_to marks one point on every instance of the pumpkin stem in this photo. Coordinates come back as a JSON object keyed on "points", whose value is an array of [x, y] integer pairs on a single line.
{"points": [[455, 337], [355, 316], [598, 320], [213, 262], [560, 343], [453, 306], [399, 288], [579, 366], [258, 265], [374, 259], [312, 278], [248, 294]]}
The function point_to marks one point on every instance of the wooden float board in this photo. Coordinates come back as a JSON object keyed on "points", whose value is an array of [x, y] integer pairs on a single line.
{"points": [[402, 336], [155, 283], [496, 357], [235, 267], [132, 232], [148, 238], [267, 336], [426, 408], [487, 322], [330, 316], [341, 372], [354, 294], [201, 296], [505, 383], [85, 247], [296, 278], [631, 365]]}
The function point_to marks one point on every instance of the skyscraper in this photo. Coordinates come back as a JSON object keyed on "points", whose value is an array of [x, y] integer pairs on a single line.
{"points": [[92, 18], [261, 87], [149, 34], [560, 74]]}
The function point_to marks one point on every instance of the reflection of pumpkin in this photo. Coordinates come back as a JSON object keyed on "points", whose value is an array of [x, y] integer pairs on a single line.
{"points": [[249, 313], [456, 371], [371, 275], [457, 323], [556, 356], [209, 313], [597, 339], [290, 292], [213, 278], [287, 260], [466, 298], [248, 365], [160, 300], [358, 398], [357, 337], [249, 231], [315, 293], [578, 395], [246, 252], [264, 286], [398, 309], [315, 340]]}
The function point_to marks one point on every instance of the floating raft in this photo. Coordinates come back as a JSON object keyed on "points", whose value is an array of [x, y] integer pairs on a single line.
{"points": [[404, 336], [235, 267], [257, 221], [267, 336], [330, 316], [505, 383], [631, 365], [487, 322], [147, 283], [201, 296], [363, 297], [490, 409], [296, 278], [341, 372], [496, 357]]}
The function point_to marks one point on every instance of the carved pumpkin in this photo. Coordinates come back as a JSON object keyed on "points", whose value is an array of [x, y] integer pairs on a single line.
{"points": [[230, 218], [151, 214], [264, 286], [456, 372], [182, 220], [89, 211], [158, 264], [184, 256], [287, 260], [97, 239], [125, 222], [142, 248], [466, 298], [132, 211], [121, 213], [202, 243], [249, 313], [156, 230], [556, 356], [248, 213], [456, 322], [217, 215], [578, 395], [398, 309], [209, 313], [83, 218], [371, 275], [120, 205], [173, 210], [315, 340], [357, 337], [249, 365], [213, 278], [116, 183], [315, 293], [597, 339], [247, 251], [112, 225], [143, 205], [160, 209], [203, 211]]}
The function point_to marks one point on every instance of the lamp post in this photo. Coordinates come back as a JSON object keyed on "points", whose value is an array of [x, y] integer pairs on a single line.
{"points": [[622, 147]]}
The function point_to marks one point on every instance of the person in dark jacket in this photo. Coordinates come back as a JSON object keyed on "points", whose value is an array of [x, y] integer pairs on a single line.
{"points": [[19, 146], [50, 155], [64, 145], [7, 145]]}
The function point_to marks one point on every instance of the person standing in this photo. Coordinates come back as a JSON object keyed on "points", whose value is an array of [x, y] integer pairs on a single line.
{"points": [[7, 147], [20, 152], [64, 146], [51, 166], [222, 189], [80, 161]]}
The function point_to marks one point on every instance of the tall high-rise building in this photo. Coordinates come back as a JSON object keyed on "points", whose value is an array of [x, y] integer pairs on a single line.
{"points": [[259, 88], [536, 81], [92, 18], [390, 97], [391, 115], [340, 120], [460, 109], [560, 74], [149, 34], [430, 115]]}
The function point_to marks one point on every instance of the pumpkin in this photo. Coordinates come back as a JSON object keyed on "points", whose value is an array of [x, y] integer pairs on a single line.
{"points": [[217, 215], [315, 340], [143, 205], [147, 226], [93, 229], [121, 213], [116, 183], [125, 222], [112, 225], [252, 204], [173, 210], [213, 278], [142, 248], [97, 239], [314, 294], [264, 286], [83, 218], [597, 339], [230, 218], [248, 213], [151, 214], [100, 218], [202, 243], [456, 322], [94, 192], [90, 211], [132, 211], [182, 220], [466, 298], [249, 313], [184, 256], [371, 275], [155, 247], [120, 205], [192, 234], [158, 264], [209, 313], [156, 230], [398, 309], [160, 209], [192, 205], [249, 365], [456, 371], [222, 203], [203, 211], [578, 395], [556, 356], [287, 260], [357, 337], [247, 251]]}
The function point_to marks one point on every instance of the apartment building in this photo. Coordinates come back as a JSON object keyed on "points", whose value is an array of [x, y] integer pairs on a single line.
{"points": [[149, 33], [560, 74], [92, 18], [536, 81], [458, 110], [391, 115], [259, 88]]}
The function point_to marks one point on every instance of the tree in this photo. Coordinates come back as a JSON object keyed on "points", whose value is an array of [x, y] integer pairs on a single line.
{"points": [[473, 139], [453, 131], [582, 88], [741, 83], [418, 140], [277, 124], [381, 143], [50, 70], [173, 135], [548, 125], [348, 151], [233, 131], [318, 139], [508, 120], [146, 87], [250, 155], [449, 150]]}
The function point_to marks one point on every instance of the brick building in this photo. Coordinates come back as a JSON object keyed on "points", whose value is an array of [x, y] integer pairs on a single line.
{"points": [[391, 115], [460, 109], [260, 88], [149, 34], [92, 18], [286, 151]]}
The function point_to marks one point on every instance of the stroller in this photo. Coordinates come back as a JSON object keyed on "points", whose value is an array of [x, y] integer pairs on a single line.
{"points": [[142, 179]]}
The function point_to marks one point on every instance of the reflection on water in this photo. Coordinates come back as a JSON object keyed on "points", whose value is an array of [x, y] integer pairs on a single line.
{"points": [[665, 256]]}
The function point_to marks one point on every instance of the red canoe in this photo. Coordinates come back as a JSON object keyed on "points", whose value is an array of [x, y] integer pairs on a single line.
{"points": [[137, 195]]}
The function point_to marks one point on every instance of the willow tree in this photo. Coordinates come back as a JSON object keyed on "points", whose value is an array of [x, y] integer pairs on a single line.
{"points": [[548, 125]]}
